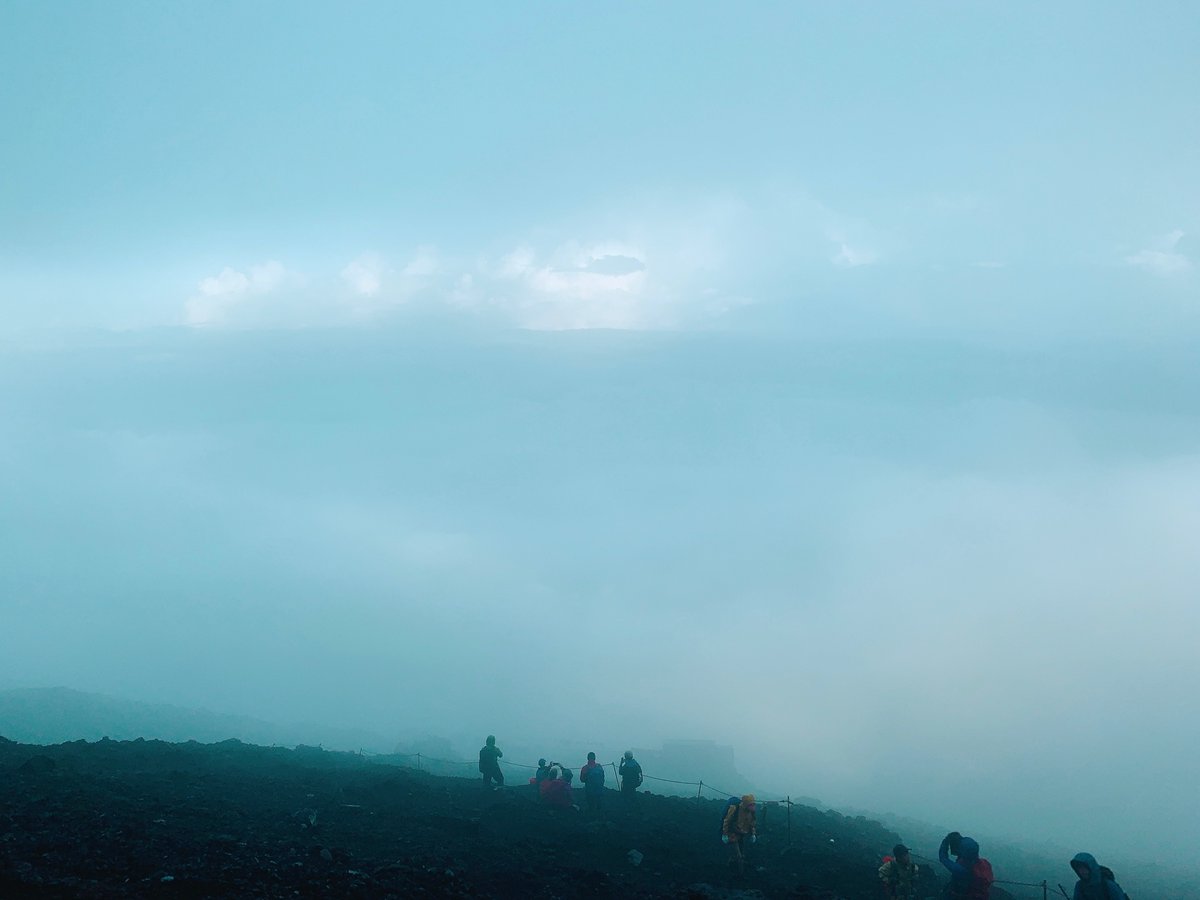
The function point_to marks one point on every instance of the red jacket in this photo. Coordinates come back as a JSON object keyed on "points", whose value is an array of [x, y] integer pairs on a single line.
{"points": [[556, 793]]}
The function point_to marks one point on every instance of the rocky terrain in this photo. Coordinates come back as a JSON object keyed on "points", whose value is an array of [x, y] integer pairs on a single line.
{"points": [[154, 819]]}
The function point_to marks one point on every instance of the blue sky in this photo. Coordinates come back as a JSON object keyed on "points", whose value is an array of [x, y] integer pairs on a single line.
{"points": [[500, 345]]}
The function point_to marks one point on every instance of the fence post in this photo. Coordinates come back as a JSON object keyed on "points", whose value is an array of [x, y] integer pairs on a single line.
{"points": [[1045, 890], [789, 803], [418, 762], [699, 789]]}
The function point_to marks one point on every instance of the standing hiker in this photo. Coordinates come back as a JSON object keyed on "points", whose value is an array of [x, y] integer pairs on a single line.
{"points": [[899, 875], [740, 825], [1095, 882], [631, 776], [970, 876], [489, 764], [591, 776]]}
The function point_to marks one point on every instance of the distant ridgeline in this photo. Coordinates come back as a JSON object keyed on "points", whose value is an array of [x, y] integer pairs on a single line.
{"points": [[58, 715]]}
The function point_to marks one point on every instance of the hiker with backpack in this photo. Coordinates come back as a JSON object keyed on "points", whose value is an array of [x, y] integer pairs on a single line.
{"points": [[591, 776], [739, 825], [1096, 882], [631, 776], [970, 876], [489, 763], [899, 875]]}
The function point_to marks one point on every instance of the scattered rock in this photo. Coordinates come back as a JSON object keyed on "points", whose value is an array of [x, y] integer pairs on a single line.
{"points": [[635, 857], [37, 765]]}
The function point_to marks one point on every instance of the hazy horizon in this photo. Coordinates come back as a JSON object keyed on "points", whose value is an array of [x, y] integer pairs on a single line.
{"points": [[820, 380]]}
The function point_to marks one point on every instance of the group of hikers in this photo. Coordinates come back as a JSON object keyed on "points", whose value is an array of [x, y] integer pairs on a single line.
{"points": [[553, 780], [970, 874]]}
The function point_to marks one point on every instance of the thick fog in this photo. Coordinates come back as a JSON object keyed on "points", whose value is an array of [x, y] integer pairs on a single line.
{"points": [[818, 379], [949, 581]]}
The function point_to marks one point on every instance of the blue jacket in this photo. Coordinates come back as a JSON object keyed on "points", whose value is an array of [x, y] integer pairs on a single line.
{"points": [[1094, 887], [961, 873], [592, 776]]}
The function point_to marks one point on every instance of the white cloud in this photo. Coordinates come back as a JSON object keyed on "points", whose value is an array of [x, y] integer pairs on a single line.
{"points": [[423, 264], [851, 257], [220, 293], [1163, 257], [364, 275], [600, 285]]}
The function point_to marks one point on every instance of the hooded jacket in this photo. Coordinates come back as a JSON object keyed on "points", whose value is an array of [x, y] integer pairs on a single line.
{"points": [[970, 876], [489, 756], [1095, 887]]}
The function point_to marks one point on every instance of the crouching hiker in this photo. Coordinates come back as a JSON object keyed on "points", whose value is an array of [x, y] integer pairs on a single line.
{"points": [[739, 826], [555, 789], [1096, 882], [899, 875], [489, 764], [970, 877]]}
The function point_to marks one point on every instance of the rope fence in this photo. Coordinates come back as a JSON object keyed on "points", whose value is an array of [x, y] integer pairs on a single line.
{"points": [[702, 786]]}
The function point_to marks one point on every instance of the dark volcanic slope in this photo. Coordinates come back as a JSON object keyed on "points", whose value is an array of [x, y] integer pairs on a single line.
{"points": [[151, 819]]}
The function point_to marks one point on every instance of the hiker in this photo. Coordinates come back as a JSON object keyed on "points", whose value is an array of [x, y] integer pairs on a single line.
{"points": [[591, 776], [543, 772], [970, 876], [489, 764], [739, 825], [1095, 882], [555, 790], [899, 875], [631, 775]]}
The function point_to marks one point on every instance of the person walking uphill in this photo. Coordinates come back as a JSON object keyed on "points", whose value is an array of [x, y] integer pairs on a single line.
{"points": [[631, 775], [739, 826], [1095, 882], [489, 763], [591, 776], [899, 875], [970, 877]]}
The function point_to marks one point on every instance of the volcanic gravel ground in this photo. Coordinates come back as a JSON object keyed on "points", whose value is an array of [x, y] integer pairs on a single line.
{"points": [[153, 819]]}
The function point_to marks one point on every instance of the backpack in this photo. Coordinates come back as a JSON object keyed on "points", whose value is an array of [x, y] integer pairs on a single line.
{"points": [[1106, 875], [981, 880], [731, 803]]}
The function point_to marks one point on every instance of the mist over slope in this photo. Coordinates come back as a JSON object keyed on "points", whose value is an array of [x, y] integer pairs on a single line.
{"points": [[967, 564]]}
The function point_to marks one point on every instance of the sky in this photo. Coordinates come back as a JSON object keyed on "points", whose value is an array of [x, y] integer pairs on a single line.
{"points": [[817, 378]]}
